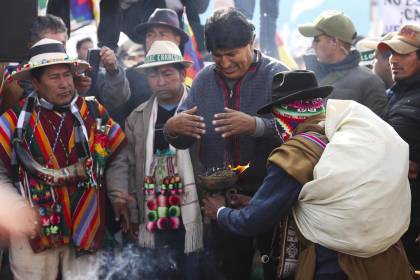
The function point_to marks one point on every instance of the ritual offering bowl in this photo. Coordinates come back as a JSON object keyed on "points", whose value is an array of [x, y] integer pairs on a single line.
{"points": [[220, 179]]}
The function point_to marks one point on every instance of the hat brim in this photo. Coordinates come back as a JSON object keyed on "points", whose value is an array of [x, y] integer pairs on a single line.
{"points": [[397, 45], [141, 31], [145, 66], [76, 66], [309, 30], [368, 43], [318, 92]]}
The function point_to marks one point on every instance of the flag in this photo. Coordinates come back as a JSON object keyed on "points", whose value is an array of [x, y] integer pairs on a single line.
{"points": [[82, 12], [191, 52], [42, 7], [284, 53]]}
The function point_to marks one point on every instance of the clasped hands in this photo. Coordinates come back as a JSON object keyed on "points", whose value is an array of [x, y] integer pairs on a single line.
{"points": [[228, 124]]}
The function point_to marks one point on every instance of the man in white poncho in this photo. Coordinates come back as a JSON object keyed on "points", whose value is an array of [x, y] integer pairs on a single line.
{"points": [[338, 185]]}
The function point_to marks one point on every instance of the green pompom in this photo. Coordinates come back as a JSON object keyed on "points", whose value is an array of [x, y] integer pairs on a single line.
{"points": [[152, 216], [174, 211], [163, 212]]}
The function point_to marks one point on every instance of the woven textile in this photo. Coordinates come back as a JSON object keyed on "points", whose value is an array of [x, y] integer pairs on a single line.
{"points": [[82, 216]]}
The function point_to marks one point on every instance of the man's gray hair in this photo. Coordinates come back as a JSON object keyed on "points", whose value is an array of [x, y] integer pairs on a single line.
{"points": [[47, 23]]}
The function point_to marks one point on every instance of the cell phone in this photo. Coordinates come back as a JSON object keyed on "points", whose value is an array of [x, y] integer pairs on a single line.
{"points": [[94, 60]]}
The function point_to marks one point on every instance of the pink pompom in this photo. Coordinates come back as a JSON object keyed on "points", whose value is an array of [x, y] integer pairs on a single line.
{"points": [[45, 221], [174, 222], [151, 226], [151, 204], [162, 201], [174, 200], [163, 223]]}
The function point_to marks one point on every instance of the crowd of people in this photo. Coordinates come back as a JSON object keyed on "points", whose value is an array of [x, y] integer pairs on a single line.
{"points": [[133, 159]]}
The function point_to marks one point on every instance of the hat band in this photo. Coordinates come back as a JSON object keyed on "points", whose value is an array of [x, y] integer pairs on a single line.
{"points": [[163, 58], [47, 48], [368, 55]]}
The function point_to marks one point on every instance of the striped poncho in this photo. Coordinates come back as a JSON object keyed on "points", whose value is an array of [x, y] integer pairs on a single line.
{"points": [[82, 215]]}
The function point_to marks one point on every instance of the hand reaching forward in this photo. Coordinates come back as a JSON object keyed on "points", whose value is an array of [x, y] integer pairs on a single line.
{"points": [[211, 204], [233, 123], [186, 123]]}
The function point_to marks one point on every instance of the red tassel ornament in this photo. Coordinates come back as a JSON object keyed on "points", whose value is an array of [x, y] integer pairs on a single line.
{"points": [[151, 204], [151, 226], [163, 223], [174, 222], [174, 200], [55, 219]]}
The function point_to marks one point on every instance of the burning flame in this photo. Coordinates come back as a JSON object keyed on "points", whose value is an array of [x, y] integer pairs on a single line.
{"points": [[240, 168]]}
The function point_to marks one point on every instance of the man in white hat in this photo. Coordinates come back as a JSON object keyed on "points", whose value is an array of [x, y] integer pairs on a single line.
{"points": [[111, 87], [402, 113], [62, 154], [379, 61], [166, 215]]}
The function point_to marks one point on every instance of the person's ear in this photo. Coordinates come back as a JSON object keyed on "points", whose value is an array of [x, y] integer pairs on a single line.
{"points": [[183, 73], [178, 41], [35, 83]]}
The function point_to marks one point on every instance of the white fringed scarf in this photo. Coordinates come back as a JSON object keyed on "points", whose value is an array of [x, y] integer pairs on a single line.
{"points": [[190, 207]]}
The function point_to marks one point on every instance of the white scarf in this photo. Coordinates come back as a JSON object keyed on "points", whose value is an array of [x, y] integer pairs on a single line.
{"points": [[190, 207]]}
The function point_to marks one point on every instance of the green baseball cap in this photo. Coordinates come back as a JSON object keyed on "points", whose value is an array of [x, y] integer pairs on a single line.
{"points": [[332, 23]]}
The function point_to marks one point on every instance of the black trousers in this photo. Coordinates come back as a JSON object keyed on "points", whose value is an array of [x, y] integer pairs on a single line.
{"points": [[230, 256], [411, 248]]}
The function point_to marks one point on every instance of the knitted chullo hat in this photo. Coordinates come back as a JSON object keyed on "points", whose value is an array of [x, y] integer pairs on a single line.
{"points": [[296, 97], [289, 116]]}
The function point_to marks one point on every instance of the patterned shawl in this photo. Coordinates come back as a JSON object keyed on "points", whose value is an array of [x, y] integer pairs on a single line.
{"points": [[83, 213]]}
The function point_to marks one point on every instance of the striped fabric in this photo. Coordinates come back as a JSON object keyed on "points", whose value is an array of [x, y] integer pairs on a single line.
{"points": [[314, 137], [82, 213]]}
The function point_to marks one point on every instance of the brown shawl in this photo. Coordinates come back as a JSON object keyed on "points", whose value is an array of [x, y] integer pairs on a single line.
{"points": [[298, 157]]}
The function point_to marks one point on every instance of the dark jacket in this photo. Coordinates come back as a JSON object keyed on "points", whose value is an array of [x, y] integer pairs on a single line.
{"points": [[211, 94], [403, 114], [350, 81]]}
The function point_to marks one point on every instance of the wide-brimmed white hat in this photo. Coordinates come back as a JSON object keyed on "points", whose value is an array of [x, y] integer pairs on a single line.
{"points": [[48, 52], [163, 53]]}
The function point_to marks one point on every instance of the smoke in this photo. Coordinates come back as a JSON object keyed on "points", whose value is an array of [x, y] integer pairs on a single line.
{"points": [[128, 263], [132, 262]]}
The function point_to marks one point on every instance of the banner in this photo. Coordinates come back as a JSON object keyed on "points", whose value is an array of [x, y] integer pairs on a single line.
{"points": [[399, 12]]}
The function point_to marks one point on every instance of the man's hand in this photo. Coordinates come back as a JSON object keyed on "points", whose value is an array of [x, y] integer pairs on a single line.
{"points": [[212, 204], [186, 123], [413, 169], [233, 123], [82, 83], [108, 58], [134, 231], [121, 212], [239, 201]]}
